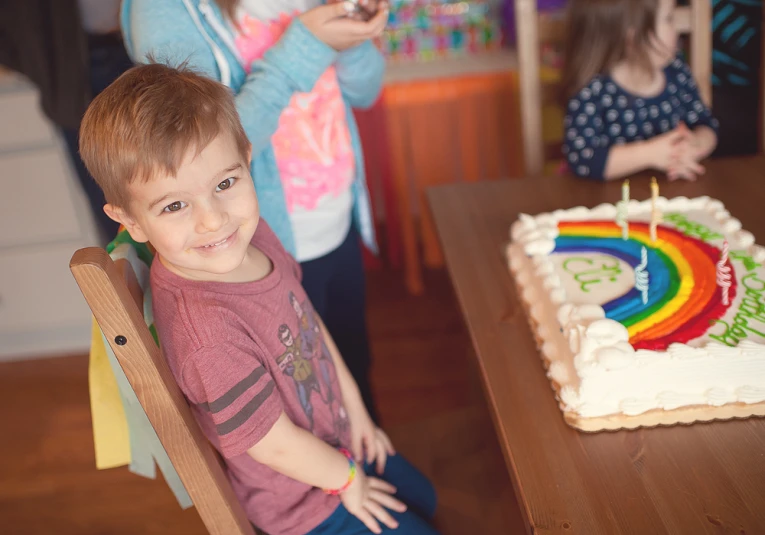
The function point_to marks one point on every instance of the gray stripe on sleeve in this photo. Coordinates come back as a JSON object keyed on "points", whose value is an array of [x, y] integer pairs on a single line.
{"points": [[237, 390], [248, 410]]}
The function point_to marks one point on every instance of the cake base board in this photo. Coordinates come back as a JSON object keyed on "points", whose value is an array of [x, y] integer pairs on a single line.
{"points": [[657, 417], [660, 417]]}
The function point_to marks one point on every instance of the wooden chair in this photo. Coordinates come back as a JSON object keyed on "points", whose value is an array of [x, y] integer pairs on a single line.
{"points": [[695, 20], [116, 300]]}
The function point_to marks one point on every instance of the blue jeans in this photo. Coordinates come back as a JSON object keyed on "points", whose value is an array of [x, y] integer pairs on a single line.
{"points": [[413, 488]]}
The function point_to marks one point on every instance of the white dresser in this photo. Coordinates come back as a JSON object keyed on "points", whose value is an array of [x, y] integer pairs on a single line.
{"points": [[44, 218]]}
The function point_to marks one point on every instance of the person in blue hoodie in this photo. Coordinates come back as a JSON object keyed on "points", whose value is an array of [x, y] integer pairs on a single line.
{"points": [[296, 67]]}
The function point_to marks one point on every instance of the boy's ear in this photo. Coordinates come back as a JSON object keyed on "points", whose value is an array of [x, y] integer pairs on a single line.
{"points": [[121, 216]]}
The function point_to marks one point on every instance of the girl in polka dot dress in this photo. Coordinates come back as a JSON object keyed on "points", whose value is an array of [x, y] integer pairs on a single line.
{"points": [[632, 104]]}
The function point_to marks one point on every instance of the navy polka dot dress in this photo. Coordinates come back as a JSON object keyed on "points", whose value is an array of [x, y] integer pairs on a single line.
{"points": [[603, 114]]}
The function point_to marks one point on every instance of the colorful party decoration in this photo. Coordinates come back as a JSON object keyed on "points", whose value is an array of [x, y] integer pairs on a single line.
{"points": [[424, 30]]}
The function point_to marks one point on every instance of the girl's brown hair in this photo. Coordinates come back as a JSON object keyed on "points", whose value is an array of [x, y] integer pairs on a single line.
{"points": [[601, 33]]}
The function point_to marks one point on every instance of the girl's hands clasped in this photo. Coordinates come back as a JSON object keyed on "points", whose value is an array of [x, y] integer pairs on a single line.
{"points": [[675, 153], [335, 25]]}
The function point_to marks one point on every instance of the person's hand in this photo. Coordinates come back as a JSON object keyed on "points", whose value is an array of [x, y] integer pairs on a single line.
{"points": [[687, 155], [364, 9], [666, 148], [368, 498], [368, 442], [334, 25], [685, 165]]}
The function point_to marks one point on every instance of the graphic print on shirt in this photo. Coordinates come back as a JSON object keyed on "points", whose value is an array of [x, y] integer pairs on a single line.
{"points": [[311, 335], [308, 362], [295, 363], [312, 144]]}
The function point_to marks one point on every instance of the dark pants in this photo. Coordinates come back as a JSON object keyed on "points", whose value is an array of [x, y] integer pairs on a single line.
{"points": [[336, 285], [108, 60], [413, 488]]}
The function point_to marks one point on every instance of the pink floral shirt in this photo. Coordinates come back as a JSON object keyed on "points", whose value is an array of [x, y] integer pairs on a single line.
{"points": [[312, 143]]}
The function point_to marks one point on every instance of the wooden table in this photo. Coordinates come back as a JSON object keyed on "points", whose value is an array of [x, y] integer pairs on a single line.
{"points": [[705, 478]]}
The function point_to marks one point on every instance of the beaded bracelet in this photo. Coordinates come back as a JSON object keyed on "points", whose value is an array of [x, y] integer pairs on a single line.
{"points": [[351, 474]]}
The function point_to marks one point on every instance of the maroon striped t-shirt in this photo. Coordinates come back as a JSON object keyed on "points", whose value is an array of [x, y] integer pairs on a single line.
{"points": [[242, 353]]}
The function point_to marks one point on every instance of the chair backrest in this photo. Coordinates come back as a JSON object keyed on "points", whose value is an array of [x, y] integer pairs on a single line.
{"points": [[116, 299], [695, 20]]}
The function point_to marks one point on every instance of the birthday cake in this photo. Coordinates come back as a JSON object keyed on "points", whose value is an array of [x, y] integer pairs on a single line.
{"points": [[645, 313]]}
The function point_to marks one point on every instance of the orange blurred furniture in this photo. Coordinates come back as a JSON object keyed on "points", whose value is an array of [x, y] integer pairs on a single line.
{"points": [[443, 129]]}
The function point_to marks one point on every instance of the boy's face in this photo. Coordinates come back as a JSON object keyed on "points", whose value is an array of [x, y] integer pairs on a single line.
{"points": [[201, 221]]}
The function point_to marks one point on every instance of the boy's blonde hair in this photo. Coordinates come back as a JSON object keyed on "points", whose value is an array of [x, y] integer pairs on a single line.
{"points": [[147, 120]]}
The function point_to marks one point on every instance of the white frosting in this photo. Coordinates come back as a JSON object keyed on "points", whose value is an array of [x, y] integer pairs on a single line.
{"points": [[599, 373]]}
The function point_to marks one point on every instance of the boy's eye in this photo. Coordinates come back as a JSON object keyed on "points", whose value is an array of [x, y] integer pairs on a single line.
{"points": [[174, 207], [226, 184]]}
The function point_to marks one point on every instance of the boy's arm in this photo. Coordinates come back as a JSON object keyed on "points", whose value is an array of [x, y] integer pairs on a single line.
{"points": [[228, 382], [350, 390], [296, 453], [366, 437]]}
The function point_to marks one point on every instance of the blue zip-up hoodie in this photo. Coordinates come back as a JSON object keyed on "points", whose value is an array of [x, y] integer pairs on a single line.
{"points": [[196, 32]]}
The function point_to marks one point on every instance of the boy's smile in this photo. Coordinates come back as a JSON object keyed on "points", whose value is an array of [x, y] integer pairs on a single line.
{"points": [[202, 220]]}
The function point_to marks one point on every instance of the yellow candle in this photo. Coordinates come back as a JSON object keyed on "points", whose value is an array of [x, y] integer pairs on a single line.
{"points": [[655, 215], [626, 191]]}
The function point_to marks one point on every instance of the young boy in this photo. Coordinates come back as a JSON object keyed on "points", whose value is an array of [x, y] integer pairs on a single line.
{"points": [[262, 375]]}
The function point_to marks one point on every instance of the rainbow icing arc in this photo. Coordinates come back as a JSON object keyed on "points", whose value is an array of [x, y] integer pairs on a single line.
{"points": [[683, 297]]}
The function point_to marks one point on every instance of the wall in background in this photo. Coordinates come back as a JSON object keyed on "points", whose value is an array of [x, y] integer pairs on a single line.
{"points": [[737, 51]]}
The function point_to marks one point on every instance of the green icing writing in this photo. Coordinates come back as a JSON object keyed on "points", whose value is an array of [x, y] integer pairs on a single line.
{"points": [[587, 271], [751, 310], [691, 228], [748, 261]]}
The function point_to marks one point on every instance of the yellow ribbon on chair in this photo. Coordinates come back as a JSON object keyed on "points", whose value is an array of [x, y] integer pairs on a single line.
{"points": [[122, 433], [110, 427]]}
